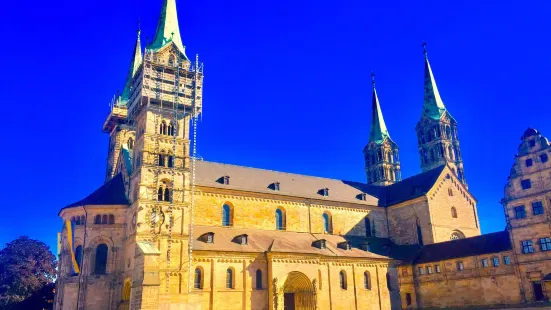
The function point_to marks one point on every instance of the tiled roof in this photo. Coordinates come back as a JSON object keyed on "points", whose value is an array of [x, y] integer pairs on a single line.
{"points": [[478, 245], [110, 193], [260, 241], [260, 180]]}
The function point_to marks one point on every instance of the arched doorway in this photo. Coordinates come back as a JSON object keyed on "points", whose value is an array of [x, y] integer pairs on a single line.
{"points": [[298, 292]]}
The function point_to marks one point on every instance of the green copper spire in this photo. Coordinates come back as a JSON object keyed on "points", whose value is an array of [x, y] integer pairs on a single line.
{"points": [[134, 65], [433, 105], [378, 133], [167, 28]]}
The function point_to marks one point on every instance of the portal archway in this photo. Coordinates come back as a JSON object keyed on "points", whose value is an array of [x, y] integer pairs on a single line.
{"points": [[298, 292]]}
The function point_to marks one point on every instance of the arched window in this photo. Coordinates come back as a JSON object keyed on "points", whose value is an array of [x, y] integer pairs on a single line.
{"points": [[367, 280], [457, 235], [367, 227], [198, 279], [226, 216], [111, 219], [450, 152], [280, 219], [160, 194], [97, 219], [448, 132], [342, 279], [454, 212], [171, 129], [161, 160], [100, 266], [450, 192], [327, 225], [162, 128], [166, 195], [229, 278], [258, 279], [78, 256], [82, 220], [130, 143], [170, 162], [104, 219]]}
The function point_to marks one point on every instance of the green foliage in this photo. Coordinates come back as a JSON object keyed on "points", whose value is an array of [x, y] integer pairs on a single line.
{"points": [[27, 270]]}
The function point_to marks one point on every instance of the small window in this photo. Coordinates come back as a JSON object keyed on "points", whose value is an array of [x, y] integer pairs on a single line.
{"points": [[229, 278], [258, 279], [78, 256], [545, 244], [226, 180], [450, 192], [408, 299], [325, 192], [460, 266], [543, 158], [527, 246], [537, 208], [97, 219], [130, 143], [198, 278], [495, 261], [529, 162], [100, 266], [437, 268], [327, 227], [226, 216], [532, 143], [429, 269], [104, 219], [342, 278], [276, 186], [367, 280], [244, 240], [170, 161], [111, 219], [420, 270], [526, 184], [484, 263], [520, 212], [280, 219], [506, 260], [454, 213]]}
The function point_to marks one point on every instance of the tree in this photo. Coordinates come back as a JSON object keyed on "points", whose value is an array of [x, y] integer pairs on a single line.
{"points": [[26, 267]]}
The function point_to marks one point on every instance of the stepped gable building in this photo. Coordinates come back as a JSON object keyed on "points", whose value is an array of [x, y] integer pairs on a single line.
{"points": [[169, 231]]}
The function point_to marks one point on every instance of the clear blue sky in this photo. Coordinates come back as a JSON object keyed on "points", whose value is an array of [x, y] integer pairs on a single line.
{"points": [[287, 87]]}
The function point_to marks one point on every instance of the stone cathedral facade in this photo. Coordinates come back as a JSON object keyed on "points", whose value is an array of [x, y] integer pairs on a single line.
{"points": [[169, 231]]}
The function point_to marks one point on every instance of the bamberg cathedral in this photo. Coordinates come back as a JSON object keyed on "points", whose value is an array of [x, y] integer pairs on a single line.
{"points": [[170, 231]]}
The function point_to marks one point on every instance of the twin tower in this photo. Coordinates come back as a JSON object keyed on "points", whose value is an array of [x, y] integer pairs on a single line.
{"points": [[436, 138]]}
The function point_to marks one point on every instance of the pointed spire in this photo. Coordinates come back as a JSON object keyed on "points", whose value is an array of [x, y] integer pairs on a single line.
{"points": [[134, 65], [433, 106], [167, 28], [379, 132]]}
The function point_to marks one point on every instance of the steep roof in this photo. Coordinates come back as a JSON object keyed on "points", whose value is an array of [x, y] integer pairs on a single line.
{"points": [[379, 132], [110, 193], [478, 245], [135, 63], [433, 106], [167, 29], [258, 180]]}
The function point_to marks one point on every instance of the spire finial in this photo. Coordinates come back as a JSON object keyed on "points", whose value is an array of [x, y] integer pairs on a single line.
{"points": [[425, 49], [373, 79], [139, 30]]}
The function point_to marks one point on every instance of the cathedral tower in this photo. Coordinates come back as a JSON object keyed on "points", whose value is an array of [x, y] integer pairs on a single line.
{"points": [[382, 165], [437, 130]]}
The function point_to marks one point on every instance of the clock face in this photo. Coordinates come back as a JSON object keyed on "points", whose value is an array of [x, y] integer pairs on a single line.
{"points": [[155, 217]]}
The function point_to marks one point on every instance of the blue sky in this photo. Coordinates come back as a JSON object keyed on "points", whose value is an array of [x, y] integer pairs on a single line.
{"points": [[287, 87]]}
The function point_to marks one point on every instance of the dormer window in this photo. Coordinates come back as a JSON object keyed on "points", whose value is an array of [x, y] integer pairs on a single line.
{"points": [[344, 245], [241, 239], [210, 237], [224, 180], [320, 244], [324, 192], [276, 186], [362, 196]]}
